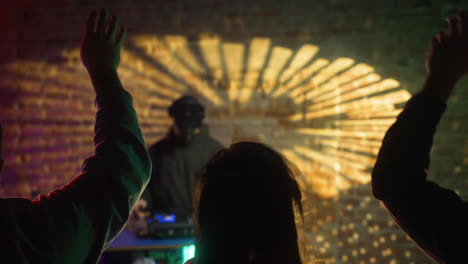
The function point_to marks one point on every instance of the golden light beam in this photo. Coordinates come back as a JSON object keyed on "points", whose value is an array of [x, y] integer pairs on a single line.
{"points": [[302, 57], [137, 72], [156, 114], [386, 100], [338, 65], [180, 48], [132, 61], [258, 51], [234, 60], [331, 161], [365, 122], [360, 145], [333, 85], [325, 132], [137, 82], [321, 185], [301, 76], [56, 129], [365, 160], [278, 59], [164, 56], [364, 81], [344, 169], [46, 114], [211, 51], [362, 92], [78, 88], [158, 102], [365, 128], [374, 113], [356, 176]]}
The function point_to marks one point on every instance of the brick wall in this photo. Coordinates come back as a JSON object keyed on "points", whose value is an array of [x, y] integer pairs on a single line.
{"points": [[235, 56]]}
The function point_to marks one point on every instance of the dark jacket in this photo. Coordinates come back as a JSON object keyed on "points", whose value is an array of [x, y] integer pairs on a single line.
{"points": [[75, 223], [434, 217], [176, 166]]}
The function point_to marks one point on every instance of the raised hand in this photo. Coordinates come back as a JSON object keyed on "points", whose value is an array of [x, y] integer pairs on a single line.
{"points": [[447, 60], [101, 44]]}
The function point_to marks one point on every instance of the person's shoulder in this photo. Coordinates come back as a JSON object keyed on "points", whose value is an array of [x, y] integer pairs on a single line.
{"points": [[17, 202], [160, 145], [190, 261]]}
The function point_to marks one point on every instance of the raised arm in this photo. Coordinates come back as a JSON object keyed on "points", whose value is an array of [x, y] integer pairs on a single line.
{"points": [[75, 223], [434, 217]]}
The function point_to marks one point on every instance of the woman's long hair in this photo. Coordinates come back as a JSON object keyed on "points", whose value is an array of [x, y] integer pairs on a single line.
{"points": [[245, 203]]}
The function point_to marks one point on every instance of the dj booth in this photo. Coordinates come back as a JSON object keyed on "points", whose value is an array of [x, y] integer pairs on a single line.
{"points": [[167, 242]]}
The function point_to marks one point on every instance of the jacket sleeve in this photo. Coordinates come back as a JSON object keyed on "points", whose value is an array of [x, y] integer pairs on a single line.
{"points": [[75, 223], [434, 217]]}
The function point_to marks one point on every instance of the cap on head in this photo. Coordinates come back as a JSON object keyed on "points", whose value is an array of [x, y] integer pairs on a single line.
{"points": [[187, 112]]}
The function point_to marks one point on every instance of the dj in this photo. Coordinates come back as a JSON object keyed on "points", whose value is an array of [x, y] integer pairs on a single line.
{"points": [[178, 158]]}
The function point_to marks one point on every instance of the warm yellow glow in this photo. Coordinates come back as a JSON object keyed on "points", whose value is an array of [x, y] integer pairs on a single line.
{"points": [[211, 51], [156, 129], [339, 133], [361, 82], [167, 56], [330, 162], [254, 90], [279, 57], [234, 60], [365, 161], [180, 49], [360, 145], [323, 185], [384, 85], [159, 102], [301, 76], [258, 51], [384, 102], [333, 85], [338, 65], [302, 57], [365, 122], [171, 90], [233, 90], [374, 113]]}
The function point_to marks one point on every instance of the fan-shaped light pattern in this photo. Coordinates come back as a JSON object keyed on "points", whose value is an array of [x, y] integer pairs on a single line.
{"points": [[327, 116], [258, 50]]}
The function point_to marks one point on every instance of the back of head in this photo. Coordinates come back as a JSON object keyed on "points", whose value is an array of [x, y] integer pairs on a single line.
{"points": [[245, 207]]}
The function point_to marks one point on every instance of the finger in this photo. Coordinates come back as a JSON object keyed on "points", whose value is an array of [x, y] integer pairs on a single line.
{"points": [[442, 37], [91, 22], [453, 26], [112, 28], [101, 21], [122, 33]]}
